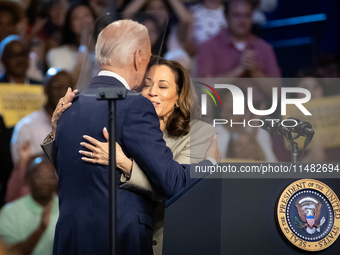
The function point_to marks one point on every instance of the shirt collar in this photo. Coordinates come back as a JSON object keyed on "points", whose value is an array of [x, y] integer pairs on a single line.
{"points": [[117, 76]]}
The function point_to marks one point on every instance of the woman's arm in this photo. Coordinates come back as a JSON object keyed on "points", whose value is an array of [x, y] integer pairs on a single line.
{"points": [[189, 149], [99, 153], [48, 144]]}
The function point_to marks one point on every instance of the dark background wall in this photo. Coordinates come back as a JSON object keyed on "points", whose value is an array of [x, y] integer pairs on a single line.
{"points": [[299, 46]]}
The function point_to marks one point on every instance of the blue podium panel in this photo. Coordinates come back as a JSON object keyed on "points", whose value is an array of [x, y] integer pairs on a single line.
{"points": [[231, 216]]}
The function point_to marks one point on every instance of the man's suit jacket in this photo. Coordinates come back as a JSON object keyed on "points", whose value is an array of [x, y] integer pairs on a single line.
{"points": [[82, 227]]}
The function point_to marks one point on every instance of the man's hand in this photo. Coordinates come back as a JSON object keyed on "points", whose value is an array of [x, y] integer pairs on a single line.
{"points": [[213, 150], [248, 60]]}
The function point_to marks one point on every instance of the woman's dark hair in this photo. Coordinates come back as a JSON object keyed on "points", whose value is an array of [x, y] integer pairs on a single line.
{"points": [[69, 37], [178, 123]]}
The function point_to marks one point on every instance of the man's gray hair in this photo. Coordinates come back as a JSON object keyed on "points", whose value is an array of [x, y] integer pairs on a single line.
{"points": [[118, 41]]}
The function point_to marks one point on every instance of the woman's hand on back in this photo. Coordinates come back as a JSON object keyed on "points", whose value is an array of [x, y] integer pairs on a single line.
{"points": [[98, 152]]}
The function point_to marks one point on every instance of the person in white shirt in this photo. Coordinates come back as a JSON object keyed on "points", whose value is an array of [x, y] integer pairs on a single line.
{"points": [[37, 125]]}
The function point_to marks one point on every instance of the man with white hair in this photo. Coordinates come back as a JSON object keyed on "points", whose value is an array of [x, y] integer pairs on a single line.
{"points": [[123, 49]]}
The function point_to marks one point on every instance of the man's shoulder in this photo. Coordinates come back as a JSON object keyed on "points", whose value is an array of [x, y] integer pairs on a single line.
{"points": [[137, 106]]}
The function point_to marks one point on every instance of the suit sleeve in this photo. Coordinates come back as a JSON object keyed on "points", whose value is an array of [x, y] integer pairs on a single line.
{"points": [[193, 152], [200, 139], [143, 140], [140, 183]]}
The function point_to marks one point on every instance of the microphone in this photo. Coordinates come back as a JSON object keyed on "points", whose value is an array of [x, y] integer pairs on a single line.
{"points": [[303, 128], [271, 124]]}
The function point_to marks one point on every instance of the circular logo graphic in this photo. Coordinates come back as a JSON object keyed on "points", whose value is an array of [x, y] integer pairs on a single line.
{"points": [[308, 213]]}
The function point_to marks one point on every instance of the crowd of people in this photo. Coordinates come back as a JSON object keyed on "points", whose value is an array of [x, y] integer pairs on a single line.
{"points": [[52, 43]]}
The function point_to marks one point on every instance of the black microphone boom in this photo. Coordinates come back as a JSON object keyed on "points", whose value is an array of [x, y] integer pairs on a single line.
{"points": [[303, 129], [271, 124]]}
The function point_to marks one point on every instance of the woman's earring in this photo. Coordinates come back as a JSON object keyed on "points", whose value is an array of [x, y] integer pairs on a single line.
{"points": [[176, 105]]}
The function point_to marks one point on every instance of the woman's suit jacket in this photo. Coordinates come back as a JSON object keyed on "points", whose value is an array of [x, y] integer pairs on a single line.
{"points": [[188, 149]]}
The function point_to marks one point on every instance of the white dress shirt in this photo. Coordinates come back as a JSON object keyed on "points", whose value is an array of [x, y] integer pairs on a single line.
{"points": [[117, 76], [34, 128]]}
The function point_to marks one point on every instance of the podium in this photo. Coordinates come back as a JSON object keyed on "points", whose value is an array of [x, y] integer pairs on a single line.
{"points": [[231, 216]]}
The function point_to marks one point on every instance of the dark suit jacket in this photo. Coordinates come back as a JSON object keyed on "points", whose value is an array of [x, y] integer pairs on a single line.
{"points": [[82, 227]]}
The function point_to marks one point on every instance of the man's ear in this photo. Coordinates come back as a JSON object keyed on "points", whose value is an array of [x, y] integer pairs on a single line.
{"points": [[137, 59]]}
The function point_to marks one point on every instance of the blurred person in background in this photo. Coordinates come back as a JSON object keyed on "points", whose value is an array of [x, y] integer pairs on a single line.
{"points": [[243, 145], [5, 158], [159, 8], [316, 151], [77, 40], [313, 85], [31, 130], [166, 12], [52, 30], [27, 225], [10, 16], [225, 131], [328, 67], [236, 53], [239, 55], [154, 30], [16, 185], [14, 56], [206, 19], [31, 29]]}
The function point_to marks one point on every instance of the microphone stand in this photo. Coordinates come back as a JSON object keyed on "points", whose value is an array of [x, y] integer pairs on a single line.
{"points": [[112, 94], [294, 147]]}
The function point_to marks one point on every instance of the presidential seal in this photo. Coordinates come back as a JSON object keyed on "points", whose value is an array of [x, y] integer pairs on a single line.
{"points": [[308, 213]]}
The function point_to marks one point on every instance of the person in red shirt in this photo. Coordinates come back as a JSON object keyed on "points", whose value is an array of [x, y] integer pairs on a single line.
{"points": [[237, 53]]}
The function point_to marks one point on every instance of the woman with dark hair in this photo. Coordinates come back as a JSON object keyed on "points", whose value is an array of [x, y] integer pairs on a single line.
{"points": [[52, 31], [167, 85], [76, 40]]}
